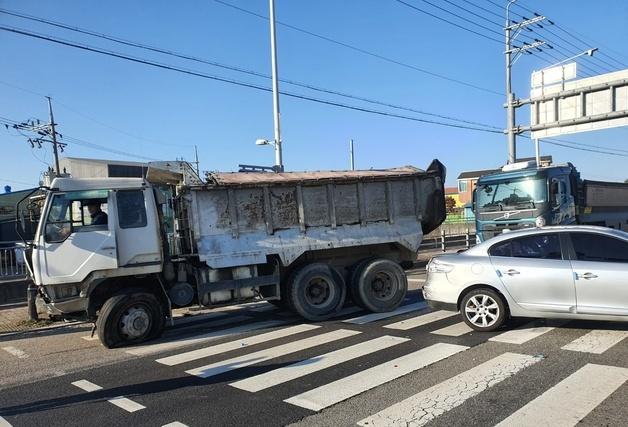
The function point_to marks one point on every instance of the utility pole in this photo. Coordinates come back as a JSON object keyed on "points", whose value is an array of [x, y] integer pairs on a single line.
{"points": [[198, 173], [273, 54], [53, 134], [351, 154], [512, 30]]}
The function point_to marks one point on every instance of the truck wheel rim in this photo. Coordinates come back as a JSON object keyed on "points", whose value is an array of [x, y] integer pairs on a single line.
{"points": [[482, 310], [383, 286], [319, 292], [135, 322]]}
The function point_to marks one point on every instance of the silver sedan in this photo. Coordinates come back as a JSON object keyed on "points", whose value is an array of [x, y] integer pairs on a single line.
{"points": [[571, 272]]}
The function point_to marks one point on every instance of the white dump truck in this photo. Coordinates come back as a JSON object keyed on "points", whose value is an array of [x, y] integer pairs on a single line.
{"points": [[124, 251]]}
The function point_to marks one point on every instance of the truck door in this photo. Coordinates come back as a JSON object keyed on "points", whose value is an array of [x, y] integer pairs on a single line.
{"points": [[600, 267], [534, 272], [78, 236], [562, 201]]}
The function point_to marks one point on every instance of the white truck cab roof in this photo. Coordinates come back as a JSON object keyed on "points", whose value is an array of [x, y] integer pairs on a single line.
{"points": [[80, 184]]}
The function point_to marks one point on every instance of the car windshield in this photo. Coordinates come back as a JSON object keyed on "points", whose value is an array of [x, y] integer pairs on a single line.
{"points": [[523, 193]]}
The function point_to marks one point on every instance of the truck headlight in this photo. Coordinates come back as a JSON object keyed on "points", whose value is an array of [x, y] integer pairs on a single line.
{"points": [[439, 267], [540, 221]]}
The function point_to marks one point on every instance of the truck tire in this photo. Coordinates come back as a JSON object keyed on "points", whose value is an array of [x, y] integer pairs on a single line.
{"points": [[129, 318], [355, 277], [316, 291], [379, 285]]}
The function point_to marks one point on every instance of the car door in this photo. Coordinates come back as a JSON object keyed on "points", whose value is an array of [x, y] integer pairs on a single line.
{"points": [[535, 273], [600, 268]]}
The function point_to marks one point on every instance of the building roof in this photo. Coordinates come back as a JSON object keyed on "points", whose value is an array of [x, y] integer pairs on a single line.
{"points": [[479, 173], [451, 190]]}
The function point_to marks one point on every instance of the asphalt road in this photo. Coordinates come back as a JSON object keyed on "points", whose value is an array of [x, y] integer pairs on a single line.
{"points": [[257, 365]]}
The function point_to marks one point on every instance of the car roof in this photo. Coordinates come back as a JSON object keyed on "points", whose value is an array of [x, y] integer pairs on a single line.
{"points": [[482, 247]]}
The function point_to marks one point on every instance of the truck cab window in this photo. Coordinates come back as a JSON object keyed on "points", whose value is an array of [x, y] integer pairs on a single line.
{"points": [[77, 211], [131, 209]]}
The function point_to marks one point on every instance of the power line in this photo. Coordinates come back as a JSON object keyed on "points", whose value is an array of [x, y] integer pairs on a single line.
{"points": [[229, 67], [362, 51], [237, 82]]}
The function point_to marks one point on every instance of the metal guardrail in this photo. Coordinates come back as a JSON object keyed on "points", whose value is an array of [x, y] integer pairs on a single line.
{"points": [[443, 241], [12, 263]]}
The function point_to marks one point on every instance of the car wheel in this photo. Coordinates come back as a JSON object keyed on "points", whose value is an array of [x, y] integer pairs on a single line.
{"points": [[316, 291], [483, 310], [379, 285]]}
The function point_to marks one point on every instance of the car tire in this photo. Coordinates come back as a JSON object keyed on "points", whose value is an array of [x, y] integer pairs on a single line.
{"points": [[483, 310], [379, 285], [316, 291], [130, 318]]}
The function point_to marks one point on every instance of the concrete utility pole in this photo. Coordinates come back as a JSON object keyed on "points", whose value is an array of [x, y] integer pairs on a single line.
{"points": [[273, 53], [54, 138], [513, 53], [351, 154]]}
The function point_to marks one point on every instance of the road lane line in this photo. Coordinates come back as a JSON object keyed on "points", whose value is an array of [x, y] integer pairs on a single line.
{"points": [[175, 424], [269, 353], [521, 335], [455, 330], [16, 352], [209, 336], [569, 401], [316, 363], [423, 407], [200, 353], [421, 320], [86, 386], [126, 404], [4, 423], [345, 388], [596, 341], [368, 318]]}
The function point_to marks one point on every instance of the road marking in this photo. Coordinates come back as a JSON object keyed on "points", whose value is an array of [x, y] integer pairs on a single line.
{"points": [[421, 320], [596, 341], [16, 352], [86, 386], [345, 388], [316, 363], [454, 330], [234, 345], [90, 338], [175, 424], [4, 423], [269, 353], [521, 335], [423, 407], [569, 401], [368, 318], [126, 404], [209, 336]]}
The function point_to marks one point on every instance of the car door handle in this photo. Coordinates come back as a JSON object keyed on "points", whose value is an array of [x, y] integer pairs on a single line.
{"points": [[587, 276], [108, 248], [512, 272]]}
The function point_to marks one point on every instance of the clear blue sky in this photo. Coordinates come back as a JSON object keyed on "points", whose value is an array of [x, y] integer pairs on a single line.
{"points": [[170, 112]]}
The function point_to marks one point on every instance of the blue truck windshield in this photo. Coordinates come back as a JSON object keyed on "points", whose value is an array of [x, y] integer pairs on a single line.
{"points": [[523, 193]]}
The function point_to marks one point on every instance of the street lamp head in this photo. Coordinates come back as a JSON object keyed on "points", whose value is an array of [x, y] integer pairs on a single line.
{"points": [[591, 51], [262, 142]]}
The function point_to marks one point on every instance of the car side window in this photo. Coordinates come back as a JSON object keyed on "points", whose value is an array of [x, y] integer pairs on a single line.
{"points": [[538, 246], [599, 248]]}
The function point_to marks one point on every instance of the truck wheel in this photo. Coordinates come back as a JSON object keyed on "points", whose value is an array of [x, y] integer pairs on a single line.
{"points": [[379, 285], [316, 291], [355, 277], [129, 318], [483, 310]]}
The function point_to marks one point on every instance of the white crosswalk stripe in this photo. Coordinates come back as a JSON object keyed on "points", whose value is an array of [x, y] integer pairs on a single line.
{"points": [[234, 345], [521, 335], [4, 423], [316, 363], [372, 317], [454, 330], [570, 400], [126, 404], [197, 339], [423, 407], [421, 320], [270, 353], [596, 341], [345, 388], [86, 386]]}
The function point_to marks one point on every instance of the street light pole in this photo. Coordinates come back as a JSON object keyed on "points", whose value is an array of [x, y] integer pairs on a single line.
{"points": [[510, 118], [53, 134], [273, 53]]}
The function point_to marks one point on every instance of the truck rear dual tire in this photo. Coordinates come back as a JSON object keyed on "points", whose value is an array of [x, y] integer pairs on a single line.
{"points": [[129, 318], [316, 291], [378, 285]]}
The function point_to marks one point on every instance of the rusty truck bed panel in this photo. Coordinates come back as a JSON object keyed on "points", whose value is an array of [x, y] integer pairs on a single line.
{"points": [[241, 218]]}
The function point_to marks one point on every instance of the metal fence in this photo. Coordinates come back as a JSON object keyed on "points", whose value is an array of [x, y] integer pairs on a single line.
{"points": [[444, 239], [12, 264]]}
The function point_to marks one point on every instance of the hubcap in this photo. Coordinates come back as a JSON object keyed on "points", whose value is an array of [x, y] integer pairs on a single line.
{"points": [[482, 310], [135, 322], [383, 286], [319, 292]]}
